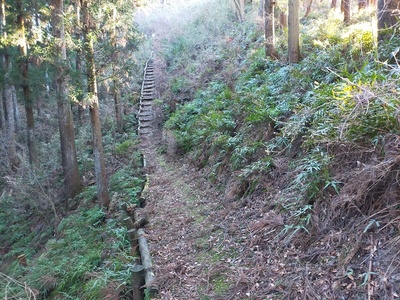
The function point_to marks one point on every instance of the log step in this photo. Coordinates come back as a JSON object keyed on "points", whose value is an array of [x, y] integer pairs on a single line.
{"points": [[146, 109], [144, 119], [142, 126], [145, 115], [145, 131]]}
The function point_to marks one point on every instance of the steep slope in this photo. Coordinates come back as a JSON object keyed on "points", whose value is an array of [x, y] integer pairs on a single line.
{"points": [[276, 181]]}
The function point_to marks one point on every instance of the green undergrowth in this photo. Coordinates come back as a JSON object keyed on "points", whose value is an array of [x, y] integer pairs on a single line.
{"points": [[72, 249], [88, 255], [345, 90], [316, 142]]}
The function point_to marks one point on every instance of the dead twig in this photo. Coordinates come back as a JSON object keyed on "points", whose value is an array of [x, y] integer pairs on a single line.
{"points": [[370, 287]]}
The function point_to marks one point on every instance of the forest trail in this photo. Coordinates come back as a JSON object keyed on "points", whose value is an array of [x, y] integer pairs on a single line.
{"points": [[193, 257]]}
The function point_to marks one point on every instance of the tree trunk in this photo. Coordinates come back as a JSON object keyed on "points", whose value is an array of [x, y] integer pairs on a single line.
{"points": [[239, 6], [283, 20], [115, 89], [308, 10], [24, 69], [3, 33], [345, 6], [333, 4], [9, 116], [99, 162], [2, 109], [72, 182], [388, 14], [261, 9], [79, 67], [118, 107], [362, 4], [17, 120], [294, 31], [269, 29]]}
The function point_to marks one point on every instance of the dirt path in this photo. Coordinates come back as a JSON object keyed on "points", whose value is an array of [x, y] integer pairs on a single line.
{"points": [[192, 252]]}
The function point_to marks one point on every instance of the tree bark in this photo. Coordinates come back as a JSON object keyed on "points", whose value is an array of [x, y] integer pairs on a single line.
{"points": [[99, 162], [283, 20], [239, 6], [2, 109], [308, 10], [17, 120], [79, 67], [3, 33], [388, 15], [115, 89], [10, 121], [346, 11], [72, 181], [333, 4], [261, 9], [294, 31], [24, 69], [146, 262], [269, 29]]}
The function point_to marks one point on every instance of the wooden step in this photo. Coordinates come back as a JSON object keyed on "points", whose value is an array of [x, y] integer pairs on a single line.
{"points": [[146, 109], [145, 131], [145, 114], [142, 126], [146, 119]]}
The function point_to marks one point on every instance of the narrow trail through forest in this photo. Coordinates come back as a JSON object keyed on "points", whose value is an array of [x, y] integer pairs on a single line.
{"points": [[193, 258]]}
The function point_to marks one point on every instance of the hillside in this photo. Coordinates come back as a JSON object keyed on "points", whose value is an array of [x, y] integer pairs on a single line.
{"points": [[259, 178], [302, 160]]}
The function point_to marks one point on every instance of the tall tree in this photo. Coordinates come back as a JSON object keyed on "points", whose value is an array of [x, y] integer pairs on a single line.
{"points": [[388, 17], [99, 162], [294, 31], [72, 182], [345, 8], [308, 9], [78, 64], [261, 8], [239, 9], [7, 95], [24, 71], [269, 29], [115, 89]]}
